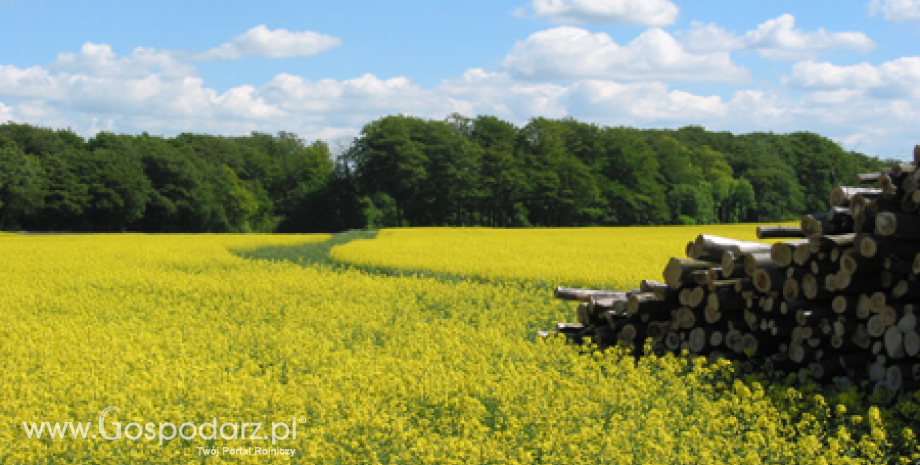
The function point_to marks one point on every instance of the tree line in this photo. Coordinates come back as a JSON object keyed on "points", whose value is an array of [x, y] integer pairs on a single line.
{"points": [[408, 171]]}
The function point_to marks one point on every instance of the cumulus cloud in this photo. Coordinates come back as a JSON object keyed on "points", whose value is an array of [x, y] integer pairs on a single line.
{"points": [[570, 52], [625, 12], [6, 113], [278, 43], [893, 79], [500, 94], [776, 39], [897, 11], [357, 100], [98, 82], [101, 60]]}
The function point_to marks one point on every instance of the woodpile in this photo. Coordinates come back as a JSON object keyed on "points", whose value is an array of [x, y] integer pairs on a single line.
{"points": [[837, 302]]}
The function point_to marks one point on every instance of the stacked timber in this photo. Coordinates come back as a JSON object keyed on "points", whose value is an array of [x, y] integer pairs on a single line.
{"points": [[836, 302]]}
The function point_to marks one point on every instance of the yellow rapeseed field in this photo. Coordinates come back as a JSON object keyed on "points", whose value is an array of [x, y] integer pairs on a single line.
{"points": [[132, 337], [616, 258]]}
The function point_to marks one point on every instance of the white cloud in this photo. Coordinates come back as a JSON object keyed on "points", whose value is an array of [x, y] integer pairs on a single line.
{"points": [[570, 52], [645, 102], [626, 12], [499, 94], [355, 101], [897, 11], [97, 82], [6, 113], [278, 43], [100, 60], [776, 39], [893, 79]]}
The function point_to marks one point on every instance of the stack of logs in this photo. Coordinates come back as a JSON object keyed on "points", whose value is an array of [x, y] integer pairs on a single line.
{"points": [[836, 302]]}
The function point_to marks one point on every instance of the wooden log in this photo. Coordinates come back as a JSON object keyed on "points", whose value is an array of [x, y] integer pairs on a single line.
{"points": [[801, 255], [888, 186], [732, 265], [853, 264], [908, 320], [803, 354], [672, 341], [822, 267], [782, 252], [709, 247], [775, 232], [814, 289], [687, 318], [890, 223], [842, 195], [911, 343], [725, 301], [700, 277], [894, 342], [814, 224], [845, 304], [599, 305], [712, 315], [662, 290], [825, 369], [876, 326], [897, 264], [769, 279], [683, 296], [827, 243], [900, 377], [582, 295], [861, 337], [678, 270], [733, 340], [755, 260], [699, 338], [697, 297]]}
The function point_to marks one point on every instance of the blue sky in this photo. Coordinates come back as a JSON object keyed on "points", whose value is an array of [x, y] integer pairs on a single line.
{"points": [[848, 70]]}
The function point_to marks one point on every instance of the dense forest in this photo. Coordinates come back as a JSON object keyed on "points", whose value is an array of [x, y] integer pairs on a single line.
{"points": [[408, 171]]}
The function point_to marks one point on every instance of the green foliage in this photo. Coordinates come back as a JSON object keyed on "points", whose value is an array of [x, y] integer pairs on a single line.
{"points": [[408, 171]]}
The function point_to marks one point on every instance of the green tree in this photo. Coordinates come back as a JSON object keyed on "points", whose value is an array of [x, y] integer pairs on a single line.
{"points": [[22, 185]]}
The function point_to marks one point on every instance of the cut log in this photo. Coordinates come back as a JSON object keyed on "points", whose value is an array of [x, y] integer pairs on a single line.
{"points": [[845, 304], [842, 195], [894, 342], [697, 297], [582, 295], [782, 252], [775, 232], [725, 301], [829, 242], [908, 320], [813, 288], [769, 279], [678, 270], [890, 223], [709, 247], [756, 260], [911, 343], [687, 318], [876, 326]]}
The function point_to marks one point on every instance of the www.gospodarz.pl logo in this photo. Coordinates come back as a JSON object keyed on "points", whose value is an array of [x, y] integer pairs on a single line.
{"points": [[163, 431]]}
